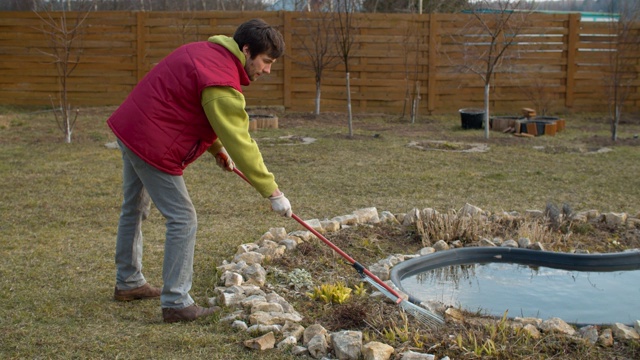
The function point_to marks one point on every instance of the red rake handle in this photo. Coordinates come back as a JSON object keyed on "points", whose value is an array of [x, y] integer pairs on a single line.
{"points": [[354, 263]]}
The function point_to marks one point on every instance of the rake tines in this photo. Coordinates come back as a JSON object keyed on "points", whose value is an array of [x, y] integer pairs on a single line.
{"points": [[424, 316]]}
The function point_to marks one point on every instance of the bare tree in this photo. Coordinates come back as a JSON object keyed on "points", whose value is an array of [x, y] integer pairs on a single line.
{"points": [[345, 36], [413, 6], [64, 37], [411, 46], [537, 90], [186, 27], [317, 43], [487, 39], [623, 50]]}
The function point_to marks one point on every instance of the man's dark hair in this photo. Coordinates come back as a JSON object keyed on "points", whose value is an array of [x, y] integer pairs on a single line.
{"points": [[260, 37]]}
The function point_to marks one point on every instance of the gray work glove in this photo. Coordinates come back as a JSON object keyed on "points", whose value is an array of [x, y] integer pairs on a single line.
{"points": [[224, 161], [281, 205]]}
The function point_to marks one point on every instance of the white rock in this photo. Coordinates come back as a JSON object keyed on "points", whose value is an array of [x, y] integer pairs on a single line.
{"points": [[287, 342], [299, 351], [347, 345], [346, 220], [289, 244], [263, 329], [411, 355], [330, 225], [524, 242], [510, 243], [266, 307], [615, 219], [231, 299], [251, 257], [273, 318], [470, 210], [311, 331], [315, 225], [239, 325], [377, 351], [532, 331], [441, 245], [534, 214], [606, 338], [278, 233], [293, 329], [318, 346], [246, 248], [261, 343], [484, 242], [622, 331], [426, 251], [232, 278], [305, 235], [589, 333], [411, 217], [388, 217], [557, 325], [367, 215]]}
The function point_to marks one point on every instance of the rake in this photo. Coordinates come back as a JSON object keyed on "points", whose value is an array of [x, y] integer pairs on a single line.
{"points": [[410, 306]]}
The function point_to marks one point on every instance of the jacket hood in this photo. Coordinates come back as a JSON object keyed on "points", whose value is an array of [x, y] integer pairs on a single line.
{"points": [[230, 45]]}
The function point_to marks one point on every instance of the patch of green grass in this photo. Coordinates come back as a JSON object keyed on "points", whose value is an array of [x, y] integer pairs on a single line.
{"points": [[60, 203]]}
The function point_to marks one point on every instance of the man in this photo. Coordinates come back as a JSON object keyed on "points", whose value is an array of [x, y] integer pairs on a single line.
{"points": [[191, 102]]}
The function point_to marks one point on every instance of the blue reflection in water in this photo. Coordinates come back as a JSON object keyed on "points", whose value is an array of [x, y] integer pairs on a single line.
{"points": [[578, 297]]}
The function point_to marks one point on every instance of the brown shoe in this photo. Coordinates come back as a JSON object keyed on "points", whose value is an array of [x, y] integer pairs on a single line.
{"points": [[140, 293], [189, 313]]}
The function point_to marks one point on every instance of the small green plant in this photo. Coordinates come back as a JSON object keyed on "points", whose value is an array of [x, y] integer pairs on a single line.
{"points": [[399, 333], [389, 335], [360, 290], [331, 293]]}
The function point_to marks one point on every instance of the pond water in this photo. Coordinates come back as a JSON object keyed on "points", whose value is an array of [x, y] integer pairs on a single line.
{"points": [[579, 297]]}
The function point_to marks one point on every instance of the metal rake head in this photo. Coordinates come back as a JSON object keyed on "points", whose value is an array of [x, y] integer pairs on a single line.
{"points": [[424, 316]]}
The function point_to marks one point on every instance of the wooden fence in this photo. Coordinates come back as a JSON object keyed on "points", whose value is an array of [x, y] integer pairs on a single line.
{"points": [[563, 63]]}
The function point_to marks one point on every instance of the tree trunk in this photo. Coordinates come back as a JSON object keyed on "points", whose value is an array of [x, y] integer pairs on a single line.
{"points": [[318, 94], [416, 103], [349, 106], [614, 123], [486, 110]]}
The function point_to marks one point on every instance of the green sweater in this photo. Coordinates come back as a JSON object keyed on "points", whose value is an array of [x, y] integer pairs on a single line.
{"points": [[225, 109]]}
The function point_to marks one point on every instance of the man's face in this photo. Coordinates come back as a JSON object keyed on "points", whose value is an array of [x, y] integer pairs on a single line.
{"points": [[257, 66]]}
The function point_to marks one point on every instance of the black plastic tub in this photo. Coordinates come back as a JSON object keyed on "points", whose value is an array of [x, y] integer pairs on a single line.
{"points": [[472, 118]]}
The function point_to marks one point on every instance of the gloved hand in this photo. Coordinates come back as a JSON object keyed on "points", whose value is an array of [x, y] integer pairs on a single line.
{"points": [[281, 205], [224, 161]]}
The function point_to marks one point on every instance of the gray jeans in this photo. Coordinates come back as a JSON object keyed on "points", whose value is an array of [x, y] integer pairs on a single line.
{"points": [[141, 184]]}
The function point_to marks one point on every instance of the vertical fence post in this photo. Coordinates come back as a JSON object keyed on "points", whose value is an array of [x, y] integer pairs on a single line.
{"points": [[432, 65], [140, 44], [286, 71], [572, 53]]}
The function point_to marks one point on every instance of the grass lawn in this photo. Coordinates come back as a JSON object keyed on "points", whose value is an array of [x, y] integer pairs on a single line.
{"points": [[59, 209]]}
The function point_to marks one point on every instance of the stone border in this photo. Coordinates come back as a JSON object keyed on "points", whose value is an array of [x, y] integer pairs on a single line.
{"points": [[473, 147], [256, 308]]}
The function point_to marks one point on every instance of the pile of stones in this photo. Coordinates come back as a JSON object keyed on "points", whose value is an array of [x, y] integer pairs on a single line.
{"points": [[270, 321]]}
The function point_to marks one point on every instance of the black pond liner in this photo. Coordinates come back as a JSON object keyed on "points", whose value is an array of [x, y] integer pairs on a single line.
{"points": [[628, 260]]}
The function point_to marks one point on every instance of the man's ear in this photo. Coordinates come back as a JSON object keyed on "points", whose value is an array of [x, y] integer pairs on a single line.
{"points": [[246, 51]]}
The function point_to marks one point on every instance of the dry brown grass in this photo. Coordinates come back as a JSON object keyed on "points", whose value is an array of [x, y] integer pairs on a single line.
{"points": [[60, 203]]}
